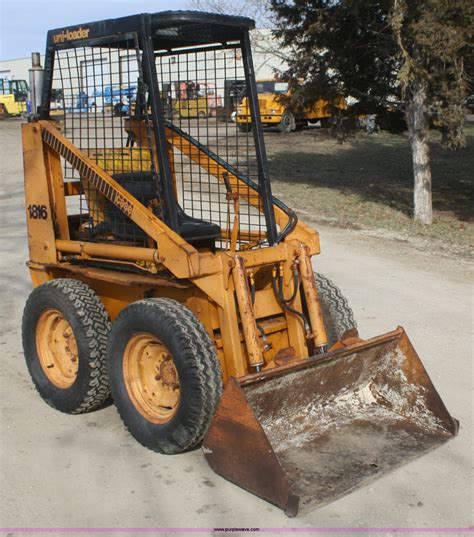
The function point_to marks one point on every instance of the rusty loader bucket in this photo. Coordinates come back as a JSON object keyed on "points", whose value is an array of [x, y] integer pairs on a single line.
{"points": [[302, 435]]}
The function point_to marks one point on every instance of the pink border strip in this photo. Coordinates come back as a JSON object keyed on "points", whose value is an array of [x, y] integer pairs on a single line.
{"points": [[232, 530]]}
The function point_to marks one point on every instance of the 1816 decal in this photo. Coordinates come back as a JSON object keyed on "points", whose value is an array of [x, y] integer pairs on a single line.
{"points": [[38, 212]]}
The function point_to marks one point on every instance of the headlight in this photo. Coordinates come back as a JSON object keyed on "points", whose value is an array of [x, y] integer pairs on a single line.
{"points": [[273, 111]]}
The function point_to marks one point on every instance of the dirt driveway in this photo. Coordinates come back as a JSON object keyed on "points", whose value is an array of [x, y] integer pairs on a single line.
{"points": [[87, 471]]}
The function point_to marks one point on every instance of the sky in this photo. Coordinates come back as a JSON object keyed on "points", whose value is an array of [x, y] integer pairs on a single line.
{"points": [[24, 23]]}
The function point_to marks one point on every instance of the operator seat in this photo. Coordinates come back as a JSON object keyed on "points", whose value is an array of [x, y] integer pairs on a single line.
{"points": [[142, 186]]}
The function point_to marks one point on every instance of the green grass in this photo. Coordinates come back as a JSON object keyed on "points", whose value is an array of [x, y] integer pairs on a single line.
{"points": [[367, 182]]}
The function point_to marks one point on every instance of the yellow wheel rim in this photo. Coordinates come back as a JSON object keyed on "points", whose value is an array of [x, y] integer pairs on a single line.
{"points": [[151, 378], [57, 348]]}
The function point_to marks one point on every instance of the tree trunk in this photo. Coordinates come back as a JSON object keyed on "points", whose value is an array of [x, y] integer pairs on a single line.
{"points": [[418, 129]]}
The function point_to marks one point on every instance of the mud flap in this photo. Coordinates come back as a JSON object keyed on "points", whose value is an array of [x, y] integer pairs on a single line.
{"points": [[302, 435]]}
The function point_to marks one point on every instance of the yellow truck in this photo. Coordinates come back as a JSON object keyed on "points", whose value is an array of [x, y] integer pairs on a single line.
{"points": [[274, 114], [13, 97]]}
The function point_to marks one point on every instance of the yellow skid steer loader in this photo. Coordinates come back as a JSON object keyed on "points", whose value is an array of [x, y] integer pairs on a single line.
{"points": [[168, 276]]}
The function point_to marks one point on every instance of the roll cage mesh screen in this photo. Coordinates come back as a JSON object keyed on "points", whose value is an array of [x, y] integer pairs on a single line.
{"points": [[201, 90], [107, 114], [98, 89]]}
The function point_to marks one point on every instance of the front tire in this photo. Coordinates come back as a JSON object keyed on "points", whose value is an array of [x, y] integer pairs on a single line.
{"points": [[64, 331], [164, 374], [287, 123]]}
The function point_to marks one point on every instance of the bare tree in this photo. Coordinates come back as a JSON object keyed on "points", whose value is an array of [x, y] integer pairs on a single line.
{"points": [[268, 51]]}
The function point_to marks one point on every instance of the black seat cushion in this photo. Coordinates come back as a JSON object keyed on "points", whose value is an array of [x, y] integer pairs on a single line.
{"points": [[194, 229], [143, 187]]}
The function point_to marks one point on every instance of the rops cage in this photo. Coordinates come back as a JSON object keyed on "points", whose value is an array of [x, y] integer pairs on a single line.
{"points": [[155, 113]]}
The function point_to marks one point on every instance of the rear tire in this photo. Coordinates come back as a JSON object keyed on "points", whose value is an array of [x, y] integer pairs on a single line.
{"points": [[164, 374], [64, 330], [338, 315]]}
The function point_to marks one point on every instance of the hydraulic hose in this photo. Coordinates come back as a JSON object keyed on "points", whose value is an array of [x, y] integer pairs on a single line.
{"points": [[286, 305]]}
